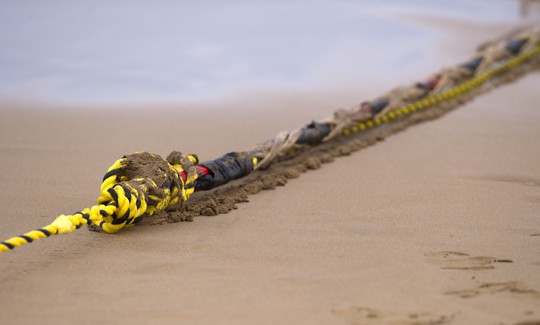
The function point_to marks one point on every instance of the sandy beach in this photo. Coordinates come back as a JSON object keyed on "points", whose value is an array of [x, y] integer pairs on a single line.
{"points": [[438, 224]]}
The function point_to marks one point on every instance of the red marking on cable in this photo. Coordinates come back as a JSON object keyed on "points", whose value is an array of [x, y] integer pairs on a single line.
{"points": [[201, 171], [431, 82]]}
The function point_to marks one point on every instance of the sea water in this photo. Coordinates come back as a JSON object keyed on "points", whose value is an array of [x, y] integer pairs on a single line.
{"points": [[106, 52]]}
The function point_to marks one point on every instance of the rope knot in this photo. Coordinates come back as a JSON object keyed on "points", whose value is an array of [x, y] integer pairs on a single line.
{"points": [[144, 183], [185, 164]]}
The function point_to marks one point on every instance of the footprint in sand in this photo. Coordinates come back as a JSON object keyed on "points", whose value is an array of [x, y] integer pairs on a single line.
{"points": [[463, 261], [512, 287], [368, 316]]}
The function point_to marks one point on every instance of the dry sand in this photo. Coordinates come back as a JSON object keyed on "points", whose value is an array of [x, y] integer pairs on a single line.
{"points": [[438, 224]]}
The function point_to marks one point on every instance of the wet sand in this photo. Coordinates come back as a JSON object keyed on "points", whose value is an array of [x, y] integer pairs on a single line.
{"points": [[438, 224]]}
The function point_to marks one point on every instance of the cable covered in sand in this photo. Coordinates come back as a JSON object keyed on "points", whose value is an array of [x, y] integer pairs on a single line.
{"points": [[142, 184]]}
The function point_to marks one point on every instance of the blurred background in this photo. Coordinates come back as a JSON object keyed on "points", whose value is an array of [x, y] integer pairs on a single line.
{"points": [[161, 52]]}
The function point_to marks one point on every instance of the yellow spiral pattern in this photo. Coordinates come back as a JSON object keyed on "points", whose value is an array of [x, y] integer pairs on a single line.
{"points": [[447, 95], [122, 203]]}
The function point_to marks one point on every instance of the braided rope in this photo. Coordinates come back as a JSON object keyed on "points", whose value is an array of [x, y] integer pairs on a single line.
{"points": [[446, 95], [142, 184], [492, 60], [125, 199]]}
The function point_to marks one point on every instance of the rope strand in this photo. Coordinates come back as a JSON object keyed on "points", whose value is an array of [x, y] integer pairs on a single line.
{"points": [[141, 184]]}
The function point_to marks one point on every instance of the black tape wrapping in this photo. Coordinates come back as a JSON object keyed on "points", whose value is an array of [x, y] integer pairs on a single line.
{"points": [[314, 133], [472, 65], [378, 105], [515, 45], [223, 170]]}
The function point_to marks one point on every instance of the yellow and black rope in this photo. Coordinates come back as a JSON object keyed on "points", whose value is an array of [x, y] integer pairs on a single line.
{"points": [[142, 184], [446, 95], [126, 199]]}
